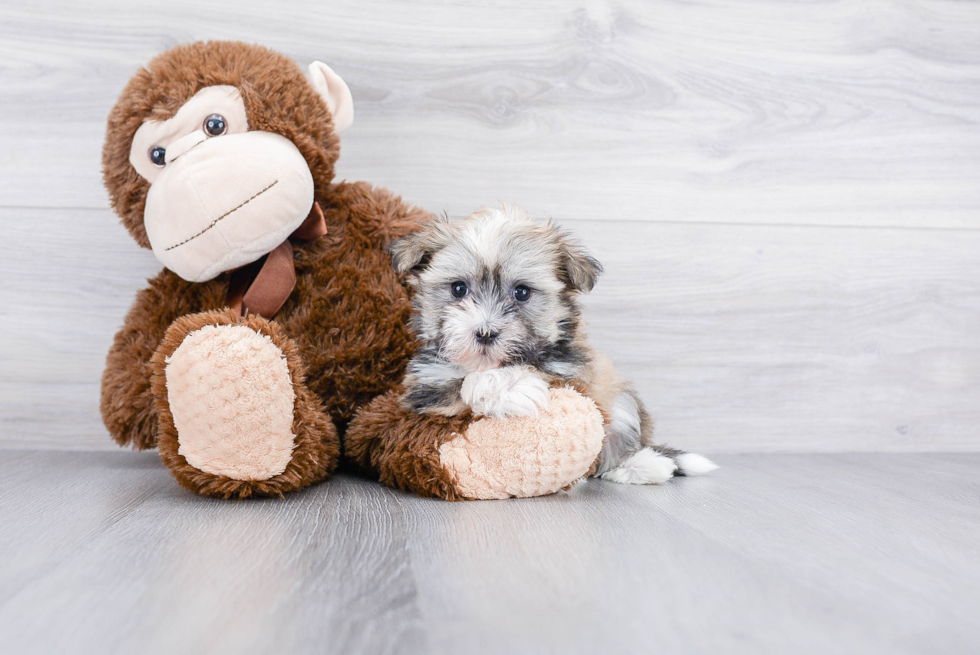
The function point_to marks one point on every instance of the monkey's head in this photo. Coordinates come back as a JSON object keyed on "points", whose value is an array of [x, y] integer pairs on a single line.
{"points": [[215, 152]]}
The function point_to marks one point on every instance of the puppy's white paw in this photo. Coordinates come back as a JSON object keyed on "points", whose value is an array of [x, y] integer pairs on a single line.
{"points": [[503, 392], [646, 466]]}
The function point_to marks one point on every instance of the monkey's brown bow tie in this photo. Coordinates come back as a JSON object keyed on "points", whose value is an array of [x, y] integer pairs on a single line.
{"points": [[264, 285]]}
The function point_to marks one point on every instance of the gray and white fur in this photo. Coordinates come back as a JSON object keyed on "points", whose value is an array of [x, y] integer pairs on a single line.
{"points": [[497, 316]]}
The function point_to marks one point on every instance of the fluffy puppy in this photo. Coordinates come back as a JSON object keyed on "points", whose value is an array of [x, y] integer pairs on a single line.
{"points": [[498, 321]]}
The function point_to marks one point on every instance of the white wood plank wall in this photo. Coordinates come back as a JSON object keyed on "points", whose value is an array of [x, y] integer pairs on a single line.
{"points": [[786, 195]]}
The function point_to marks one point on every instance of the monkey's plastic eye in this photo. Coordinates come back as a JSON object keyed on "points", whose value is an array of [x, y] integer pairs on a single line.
{"points": [[522, 293], [460, 289], [215, 125], [158, 155]]}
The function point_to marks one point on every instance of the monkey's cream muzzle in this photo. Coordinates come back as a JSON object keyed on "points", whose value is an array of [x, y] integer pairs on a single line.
{"points": [[224, 202]]}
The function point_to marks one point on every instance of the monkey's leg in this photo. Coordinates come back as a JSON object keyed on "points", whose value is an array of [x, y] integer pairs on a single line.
{"points": [[236, 418], [465, 458]]}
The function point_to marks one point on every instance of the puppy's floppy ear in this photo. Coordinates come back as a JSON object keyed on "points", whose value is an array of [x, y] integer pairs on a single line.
{"points": [[576, 267], [412, 252]]}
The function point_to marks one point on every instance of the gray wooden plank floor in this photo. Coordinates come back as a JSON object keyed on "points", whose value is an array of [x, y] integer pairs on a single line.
{"points": [[848, 553]]}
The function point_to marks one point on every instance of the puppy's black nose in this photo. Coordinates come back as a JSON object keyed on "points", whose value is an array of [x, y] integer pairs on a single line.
{"points": [[486, 337]]}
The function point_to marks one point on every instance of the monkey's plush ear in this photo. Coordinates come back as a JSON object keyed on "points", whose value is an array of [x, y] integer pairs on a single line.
{"points": [[412, 252], [578, 268], [335, 93]]}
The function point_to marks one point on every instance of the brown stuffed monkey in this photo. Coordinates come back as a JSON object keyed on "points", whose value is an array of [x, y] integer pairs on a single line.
{"points": [[279, 321]]}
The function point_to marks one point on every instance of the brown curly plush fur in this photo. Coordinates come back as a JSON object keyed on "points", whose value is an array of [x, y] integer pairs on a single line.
{"points": [[348, 316], [343, 326]]}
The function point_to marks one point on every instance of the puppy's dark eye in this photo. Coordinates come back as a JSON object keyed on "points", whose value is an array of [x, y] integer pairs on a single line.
{"points": [[215, 125], [460, 289], [522, 293], [158, 155]]}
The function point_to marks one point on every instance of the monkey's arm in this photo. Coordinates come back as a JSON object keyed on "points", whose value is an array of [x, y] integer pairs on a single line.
{"points": [[127, 400], [461, 457]]}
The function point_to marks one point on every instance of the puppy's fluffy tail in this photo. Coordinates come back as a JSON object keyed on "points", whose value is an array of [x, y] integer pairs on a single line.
{"points": [[687, 463], [657, 464], [693, 464]]}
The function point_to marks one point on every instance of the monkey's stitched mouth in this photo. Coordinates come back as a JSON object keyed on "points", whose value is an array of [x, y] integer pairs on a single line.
{"points": [[225, 215]]}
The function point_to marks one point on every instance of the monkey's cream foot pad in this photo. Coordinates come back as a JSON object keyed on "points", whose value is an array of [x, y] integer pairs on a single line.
{"points": [[527, 456], [231, 396]]}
